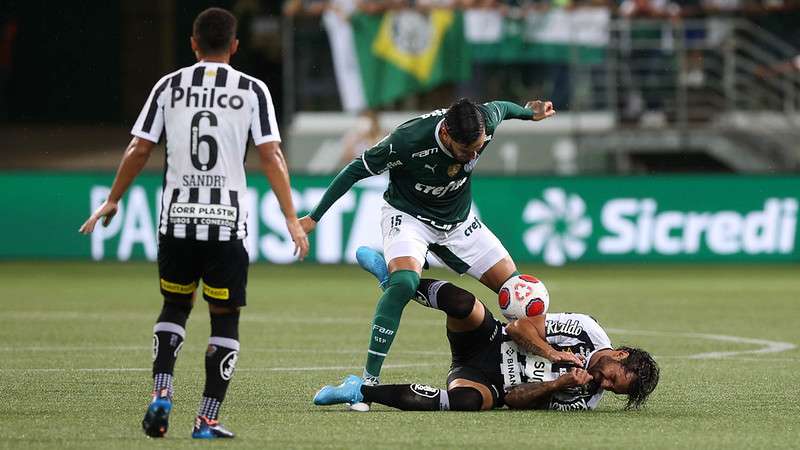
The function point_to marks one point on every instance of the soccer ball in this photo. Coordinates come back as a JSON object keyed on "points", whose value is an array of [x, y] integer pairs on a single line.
{"points": [[523, 296]]}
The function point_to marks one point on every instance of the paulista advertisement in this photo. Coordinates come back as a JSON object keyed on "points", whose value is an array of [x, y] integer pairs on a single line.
{"points": [[554, 220]]}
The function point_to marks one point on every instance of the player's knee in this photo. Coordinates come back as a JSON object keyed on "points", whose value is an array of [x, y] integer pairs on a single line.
{"points": [[225, 325], [216, 309], [404, 283], [175, 311], [454, 301], [465, 399]]}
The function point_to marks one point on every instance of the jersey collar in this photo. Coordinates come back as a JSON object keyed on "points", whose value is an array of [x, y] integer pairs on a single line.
{"points": [[439, 142]]}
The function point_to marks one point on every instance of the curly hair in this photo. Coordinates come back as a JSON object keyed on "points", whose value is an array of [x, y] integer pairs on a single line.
{"points": [[464, 121], [645, 370]]}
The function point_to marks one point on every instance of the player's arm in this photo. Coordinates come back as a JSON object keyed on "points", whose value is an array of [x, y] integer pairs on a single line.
{"points": [[273, 165], [529, 333], [134, 159], [374, 161], [533, 110], [539, 395]]}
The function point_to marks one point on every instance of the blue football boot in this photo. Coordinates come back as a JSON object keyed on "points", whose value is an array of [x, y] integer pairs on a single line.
{"points": [[372, 261], [156, 419], [347, 392], [205, 428]]}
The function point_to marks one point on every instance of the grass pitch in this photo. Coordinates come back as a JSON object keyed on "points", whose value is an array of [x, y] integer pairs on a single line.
{"points": [[75, 360]]}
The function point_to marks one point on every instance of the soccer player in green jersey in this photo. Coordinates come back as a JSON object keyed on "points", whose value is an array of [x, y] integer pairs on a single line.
{"points": [[428, 207]]}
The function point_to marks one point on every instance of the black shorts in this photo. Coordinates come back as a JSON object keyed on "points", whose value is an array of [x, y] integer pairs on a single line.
{"points": [[476, 356], [222, 265]]}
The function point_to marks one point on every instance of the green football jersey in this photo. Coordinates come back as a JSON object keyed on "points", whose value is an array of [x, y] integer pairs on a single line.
{"points": [[425, 180]]}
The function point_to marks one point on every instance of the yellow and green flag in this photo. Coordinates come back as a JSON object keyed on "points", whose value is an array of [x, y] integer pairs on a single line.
{"points": [[405, 52]]}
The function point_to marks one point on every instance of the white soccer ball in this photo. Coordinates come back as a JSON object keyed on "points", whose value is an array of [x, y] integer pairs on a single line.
{"points": [[523, 296]]}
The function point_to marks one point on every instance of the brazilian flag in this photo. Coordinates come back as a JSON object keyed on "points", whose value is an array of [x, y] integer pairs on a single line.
{"points": [[404, 52]]}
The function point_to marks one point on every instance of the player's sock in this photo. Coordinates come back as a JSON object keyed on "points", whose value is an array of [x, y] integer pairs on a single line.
{"points": [[401, 287], [445, 296], [168, 335], [418, 397], [221, 357]]}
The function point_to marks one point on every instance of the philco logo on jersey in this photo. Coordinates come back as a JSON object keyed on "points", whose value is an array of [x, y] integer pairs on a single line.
{"points": [[440, 191], [572, 327], [424, 153], [208, 98]]}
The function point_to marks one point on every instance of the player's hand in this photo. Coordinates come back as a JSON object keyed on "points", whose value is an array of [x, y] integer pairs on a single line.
{"points": [[567, 357], [308, 224], [106, 211], [575, 377], [541, 110], [299, 237]]}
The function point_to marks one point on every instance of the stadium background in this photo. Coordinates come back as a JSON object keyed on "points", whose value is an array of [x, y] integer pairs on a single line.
{"points": [[667, 185]]}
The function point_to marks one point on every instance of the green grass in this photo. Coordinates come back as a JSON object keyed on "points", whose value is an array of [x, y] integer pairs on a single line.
{"points": [[307, 325]]}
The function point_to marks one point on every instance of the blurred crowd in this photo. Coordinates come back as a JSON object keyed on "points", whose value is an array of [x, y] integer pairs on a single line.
{"points": [[629, 8], [652, 65]]}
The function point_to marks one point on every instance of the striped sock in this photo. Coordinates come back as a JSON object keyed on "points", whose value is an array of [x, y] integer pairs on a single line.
{"points": [[162, 385], [209, 408]]}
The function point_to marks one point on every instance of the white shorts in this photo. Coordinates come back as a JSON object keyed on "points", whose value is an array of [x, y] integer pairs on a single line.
{"points": [[470, 248]]}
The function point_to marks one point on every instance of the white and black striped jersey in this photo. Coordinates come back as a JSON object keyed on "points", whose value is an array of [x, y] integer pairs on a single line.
{"points": [[207, 110], [576, 333]]}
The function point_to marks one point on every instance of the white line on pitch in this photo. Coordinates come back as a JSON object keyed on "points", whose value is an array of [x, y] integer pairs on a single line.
{"points": [[245, 369], [767, 346]]}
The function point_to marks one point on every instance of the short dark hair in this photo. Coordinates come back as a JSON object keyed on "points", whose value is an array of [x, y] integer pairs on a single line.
{"points": [[645, 370], [214, 30], [464, 121]]}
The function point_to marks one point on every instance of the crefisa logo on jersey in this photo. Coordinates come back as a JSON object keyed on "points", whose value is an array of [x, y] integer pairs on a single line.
{"points": [[207, 98]]}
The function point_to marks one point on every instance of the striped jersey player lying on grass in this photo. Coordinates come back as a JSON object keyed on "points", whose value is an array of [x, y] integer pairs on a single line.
{"points": [[491, 367]]}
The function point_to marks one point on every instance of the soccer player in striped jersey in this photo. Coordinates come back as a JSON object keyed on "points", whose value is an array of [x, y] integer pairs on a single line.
{"points": [[491, 365], [206, 113]]}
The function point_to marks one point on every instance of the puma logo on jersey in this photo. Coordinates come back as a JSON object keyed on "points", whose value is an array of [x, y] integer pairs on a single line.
{"points": [[433, 167], [391, 149]]}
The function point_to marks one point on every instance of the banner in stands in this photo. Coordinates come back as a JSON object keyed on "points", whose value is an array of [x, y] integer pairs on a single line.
{"points": [[539, 219]]}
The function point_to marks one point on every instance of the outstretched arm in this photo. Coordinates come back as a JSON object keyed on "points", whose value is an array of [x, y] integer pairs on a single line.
{"points": [[535, 110], [134, 159], [380, 158], [274, 167], [538, 395], [348, 176]]}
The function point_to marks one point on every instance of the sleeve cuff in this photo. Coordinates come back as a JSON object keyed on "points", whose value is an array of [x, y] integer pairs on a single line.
{"points": [[265, 139], [146, 136]]}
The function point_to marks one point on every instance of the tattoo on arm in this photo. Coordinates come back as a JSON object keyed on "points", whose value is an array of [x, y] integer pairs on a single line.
{"points": [[531, 395]]}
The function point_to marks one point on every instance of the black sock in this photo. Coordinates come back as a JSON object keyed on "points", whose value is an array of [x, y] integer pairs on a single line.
{"points": [[168, 335], [445, 296], [408, 397], [419, 397], [221, 357]]}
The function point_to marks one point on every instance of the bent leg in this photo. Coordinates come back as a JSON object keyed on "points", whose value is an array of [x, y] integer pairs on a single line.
{"points": [[464, 311], [499, 273]]}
